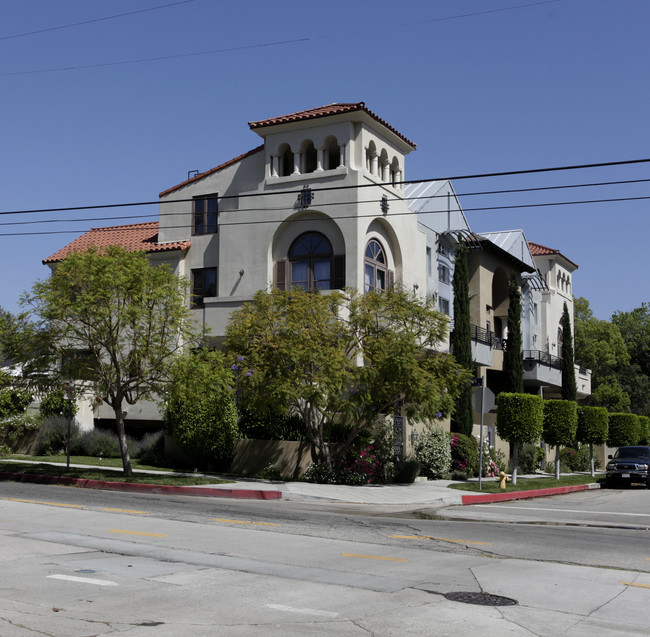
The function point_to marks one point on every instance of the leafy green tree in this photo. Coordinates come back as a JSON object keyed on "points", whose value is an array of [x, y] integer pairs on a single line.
{"points": [[513, 361], [623, 430], [519, 420], [111, 319], [600, 347], [13, 400], [54, 403], [560, 424], [345, 358], [462, 420], [200, 406], [593, 426], [569, 388], [635, 330], [644, 430]]}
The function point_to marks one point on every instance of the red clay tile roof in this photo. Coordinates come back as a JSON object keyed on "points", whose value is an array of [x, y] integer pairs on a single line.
{"points": [[134, 237], [324, 111], [212, 171], [538, 250]]}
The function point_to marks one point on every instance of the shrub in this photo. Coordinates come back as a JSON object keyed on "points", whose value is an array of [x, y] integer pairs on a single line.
{"points": [[5, 450], [464, 454], [152, 451], [644, 430], [433, 450], [493, 461], [270, 426], [53, 434], [577, 459], [623, 430], [99, 442], [320, 473], [531, 458], [593, 425], [519, 417], [560, 422], [406, 471]]}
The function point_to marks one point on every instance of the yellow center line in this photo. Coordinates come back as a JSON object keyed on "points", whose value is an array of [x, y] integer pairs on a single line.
{"points": [[54, 504], [137, 533], [125, 511], [243, 522], [375, 557], [443, 539], [635, 585]]}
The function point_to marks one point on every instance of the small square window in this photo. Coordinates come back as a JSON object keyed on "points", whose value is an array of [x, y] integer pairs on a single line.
{"points": [[443, 305], [444, 274]]}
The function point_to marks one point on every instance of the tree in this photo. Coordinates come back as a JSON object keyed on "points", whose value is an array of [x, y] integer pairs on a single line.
{"points": [[200, 406], [519, 420], [560, 424], [513, 362], [593, 426], [344, 358], [109, 319], [600, 347], [461, 340], [623, 430], [635, 330], [569, 388]]}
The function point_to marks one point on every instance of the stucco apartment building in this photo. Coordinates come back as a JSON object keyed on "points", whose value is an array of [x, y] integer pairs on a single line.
{"points": [[320, 204]]}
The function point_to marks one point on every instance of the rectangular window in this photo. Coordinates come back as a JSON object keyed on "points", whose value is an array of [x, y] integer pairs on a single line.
{"points": [[205, 211], [443, 274], [443, 305], [429, 265], [204, 284]]}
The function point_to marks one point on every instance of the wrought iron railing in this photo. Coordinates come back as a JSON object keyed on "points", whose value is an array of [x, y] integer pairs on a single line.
{"points": [[543, 358]]}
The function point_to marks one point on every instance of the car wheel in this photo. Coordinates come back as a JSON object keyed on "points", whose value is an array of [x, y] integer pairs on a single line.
{"points": [[609, 483]]}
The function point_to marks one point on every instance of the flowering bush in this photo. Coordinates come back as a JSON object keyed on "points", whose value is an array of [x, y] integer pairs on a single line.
{"points": [[434, 453], [464, 453], [493, 460], [361, 466]]}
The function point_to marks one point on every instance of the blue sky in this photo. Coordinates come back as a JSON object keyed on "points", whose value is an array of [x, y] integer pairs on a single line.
{"points": [[481, 86]]}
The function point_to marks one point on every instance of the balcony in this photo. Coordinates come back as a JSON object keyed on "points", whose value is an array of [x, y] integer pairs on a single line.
{"points": [[483, 342], [542, 368]]}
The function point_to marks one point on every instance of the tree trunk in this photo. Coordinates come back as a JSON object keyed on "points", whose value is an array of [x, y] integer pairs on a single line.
{"points": [[515, 461], [591, 459], [121, 435], [557, 462]]}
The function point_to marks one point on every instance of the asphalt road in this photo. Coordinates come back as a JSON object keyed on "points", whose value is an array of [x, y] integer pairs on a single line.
{"points": [[85, 562]]}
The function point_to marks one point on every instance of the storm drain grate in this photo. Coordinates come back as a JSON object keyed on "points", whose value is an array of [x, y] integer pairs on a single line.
{"points": [[482, 599]]}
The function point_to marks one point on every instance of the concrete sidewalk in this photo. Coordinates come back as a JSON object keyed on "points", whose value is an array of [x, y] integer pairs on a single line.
{"points": [[432, 492]]}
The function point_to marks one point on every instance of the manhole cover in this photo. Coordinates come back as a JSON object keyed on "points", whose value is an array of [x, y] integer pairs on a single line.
{"points": [[482, 599]]}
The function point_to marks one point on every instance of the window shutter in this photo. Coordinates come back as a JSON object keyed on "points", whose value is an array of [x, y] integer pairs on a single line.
{"points": [[391, 278], [338, 272], [281, 274]]}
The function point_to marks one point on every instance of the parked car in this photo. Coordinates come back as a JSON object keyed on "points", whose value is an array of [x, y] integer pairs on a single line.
{"points": [[628, 465]]}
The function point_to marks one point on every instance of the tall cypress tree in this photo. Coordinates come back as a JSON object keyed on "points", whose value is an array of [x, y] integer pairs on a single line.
{"points": [[461, 339], [569, 389], [513, 359]]}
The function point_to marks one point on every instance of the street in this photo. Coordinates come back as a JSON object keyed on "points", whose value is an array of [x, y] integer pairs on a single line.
{"points": [[82, 562]]}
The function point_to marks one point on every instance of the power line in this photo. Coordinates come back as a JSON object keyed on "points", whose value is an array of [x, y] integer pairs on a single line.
{"points": [[257, 45], [84, 22], [369, 185]]}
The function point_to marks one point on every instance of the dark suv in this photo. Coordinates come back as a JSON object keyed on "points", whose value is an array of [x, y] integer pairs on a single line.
{"points": [[628, 465]]}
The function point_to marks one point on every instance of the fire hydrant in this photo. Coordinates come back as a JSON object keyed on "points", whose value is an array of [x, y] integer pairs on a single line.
{"points": [[503, 480]]}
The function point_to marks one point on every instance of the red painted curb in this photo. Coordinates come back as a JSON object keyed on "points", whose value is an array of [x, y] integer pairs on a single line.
{"points": [[215, 492], [521, 495]]}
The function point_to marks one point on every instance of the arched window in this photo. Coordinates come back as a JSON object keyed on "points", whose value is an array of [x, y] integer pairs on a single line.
{"points": [[309, 157], [375, 270], [286, 162], [332, 154], [310, 259]]}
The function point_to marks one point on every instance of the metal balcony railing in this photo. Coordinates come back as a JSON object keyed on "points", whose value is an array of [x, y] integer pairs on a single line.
{"points": [[543, 358]]}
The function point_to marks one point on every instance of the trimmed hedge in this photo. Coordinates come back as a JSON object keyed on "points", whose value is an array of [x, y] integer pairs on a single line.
{"points": [[560, 422], [644, 430], [593, 425], [623, 430], [519, 417]]}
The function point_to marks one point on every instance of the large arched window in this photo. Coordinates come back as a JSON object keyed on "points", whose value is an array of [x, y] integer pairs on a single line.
{"points": [[375, 267], [310, 259]]}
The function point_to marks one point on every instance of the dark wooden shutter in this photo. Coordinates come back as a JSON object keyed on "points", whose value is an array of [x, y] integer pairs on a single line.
{"points": [[281, 274], [390, 278], [338, 272]]}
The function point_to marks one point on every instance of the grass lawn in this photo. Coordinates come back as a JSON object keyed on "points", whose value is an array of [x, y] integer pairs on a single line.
{"points": [[60, 469], [527, 484]]}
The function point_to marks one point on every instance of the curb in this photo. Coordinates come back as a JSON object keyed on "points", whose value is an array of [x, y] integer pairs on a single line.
{"points": [[522, 495], [134, 487]]}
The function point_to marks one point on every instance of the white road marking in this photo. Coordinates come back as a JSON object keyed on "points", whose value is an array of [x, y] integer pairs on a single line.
{"points": [[302, 611], [642, 515], [83, 580]]}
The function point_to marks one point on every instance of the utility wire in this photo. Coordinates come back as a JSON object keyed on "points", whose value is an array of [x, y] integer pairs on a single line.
{"points": [[369, 185], [259, 45], [84, 22]]}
